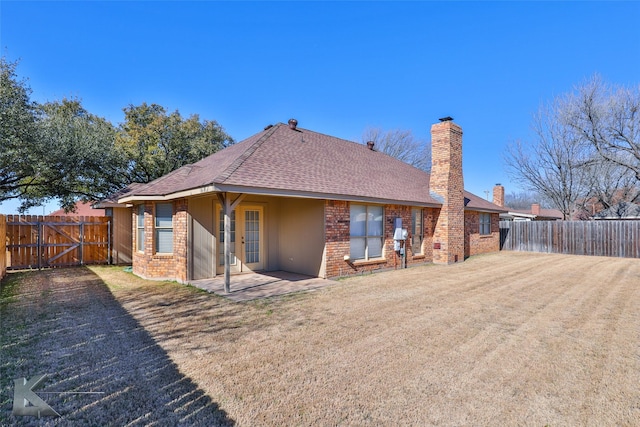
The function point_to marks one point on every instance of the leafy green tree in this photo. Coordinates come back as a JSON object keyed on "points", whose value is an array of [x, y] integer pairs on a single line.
{"points": [[53, 151], [59, 150], [77, 159], [18, 133], [156, 143]]}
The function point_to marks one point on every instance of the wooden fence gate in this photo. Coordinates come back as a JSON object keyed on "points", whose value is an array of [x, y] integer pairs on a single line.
{"points": [[35, 241]]}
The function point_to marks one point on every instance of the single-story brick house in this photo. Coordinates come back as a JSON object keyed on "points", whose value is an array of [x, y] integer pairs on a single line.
{"points": [[300, 201]]}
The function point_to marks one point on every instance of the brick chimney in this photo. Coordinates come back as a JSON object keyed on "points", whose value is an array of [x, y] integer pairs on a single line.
{"points": [[535, 209], [447, 185], [498, 195]]}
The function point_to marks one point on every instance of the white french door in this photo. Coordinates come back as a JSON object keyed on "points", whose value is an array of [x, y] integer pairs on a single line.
{"points": [[247, 235], [252, 227]]}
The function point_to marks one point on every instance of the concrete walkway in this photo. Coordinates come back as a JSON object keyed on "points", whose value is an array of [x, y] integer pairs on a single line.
{"points": [[250, 286]]}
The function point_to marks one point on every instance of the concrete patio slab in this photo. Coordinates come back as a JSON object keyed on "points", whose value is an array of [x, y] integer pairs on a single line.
{"points": [[251, 286]]}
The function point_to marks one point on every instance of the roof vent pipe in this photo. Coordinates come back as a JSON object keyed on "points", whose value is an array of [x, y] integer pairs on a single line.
{"points": [[370, 145], [293, 124]]}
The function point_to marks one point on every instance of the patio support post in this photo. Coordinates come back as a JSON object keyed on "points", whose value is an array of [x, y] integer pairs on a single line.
{"points": [[227, 208]]}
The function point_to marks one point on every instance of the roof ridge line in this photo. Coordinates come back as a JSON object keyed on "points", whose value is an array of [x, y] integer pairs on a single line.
{"points": [[245, 155]]}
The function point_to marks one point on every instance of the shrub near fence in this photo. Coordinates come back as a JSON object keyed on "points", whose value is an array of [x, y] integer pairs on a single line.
{"points": [[599, 238], [3, 246]]}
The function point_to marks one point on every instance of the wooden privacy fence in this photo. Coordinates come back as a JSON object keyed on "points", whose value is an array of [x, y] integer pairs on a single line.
{"points": [[601, 238], [35, 241], [3, 246]]}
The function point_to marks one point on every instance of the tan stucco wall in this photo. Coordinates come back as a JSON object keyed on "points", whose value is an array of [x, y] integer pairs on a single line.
{"points": [[301, 236], [202, 239], [122, 242]]}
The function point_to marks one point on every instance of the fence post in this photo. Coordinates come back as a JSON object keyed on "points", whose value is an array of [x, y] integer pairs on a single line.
{"points": [[109, 257], [39, 230], [81, 248], [3, 246]]}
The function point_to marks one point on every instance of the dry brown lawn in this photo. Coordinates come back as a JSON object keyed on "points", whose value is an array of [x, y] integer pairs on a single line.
{"points": [[501, 339]]}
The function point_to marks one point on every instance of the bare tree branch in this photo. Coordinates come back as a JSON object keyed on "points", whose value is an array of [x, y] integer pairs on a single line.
{"points": [[400, 144]]}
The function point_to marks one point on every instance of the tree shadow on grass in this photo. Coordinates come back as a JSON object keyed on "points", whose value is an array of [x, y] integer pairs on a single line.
{"points": [[67, 324]]}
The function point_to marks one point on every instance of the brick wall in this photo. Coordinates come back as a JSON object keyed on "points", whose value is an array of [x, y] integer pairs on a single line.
{"points": [[337, 240], [180, 238], [336, 236], [498, 195], [149, 264], [447, 182], [475, 243]]}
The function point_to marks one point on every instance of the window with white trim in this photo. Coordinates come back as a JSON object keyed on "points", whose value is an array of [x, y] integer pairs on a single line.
{"points": [[140, 228], [164, 228], [485, 223], [417, 230], [366, 231]]}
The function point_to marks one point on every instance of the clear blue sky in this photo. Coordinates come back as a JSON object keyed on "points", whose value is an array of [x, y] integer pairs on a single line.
{"points": [[337, 67]]}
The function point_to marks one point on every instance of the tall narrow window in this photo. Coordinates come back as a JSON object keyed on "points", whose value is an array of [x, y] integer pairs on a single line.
{"points": [[417, 231], [164, 228], [485, 223], [140, 228], [366, 231]]}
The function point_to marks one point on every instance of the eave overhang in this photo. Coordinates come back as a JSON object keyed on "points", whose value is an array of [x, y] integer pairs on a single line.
{"points": [[222, 188]]}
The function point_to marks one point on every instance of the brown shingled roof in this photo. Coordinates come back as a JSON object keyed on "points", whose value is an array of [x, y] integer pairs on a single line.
{"points": [[476, 203], [112, 200], [281, 160]]}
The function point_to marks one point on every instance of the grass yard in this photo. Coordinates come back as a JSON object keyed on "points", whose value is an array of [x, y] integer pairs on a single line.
{"points": [[501, 339]]}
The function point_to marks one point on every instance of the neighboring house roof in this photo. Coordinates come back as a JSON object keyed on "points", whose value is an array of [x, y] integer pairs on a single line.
{"points": [[82, 209], [623, 210], [545, 214], [299, 162]]}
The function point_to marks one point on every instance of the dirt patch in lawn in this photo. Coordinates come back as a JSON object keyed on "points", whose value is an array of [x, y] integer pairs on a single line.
{"points": [[508, 338]]}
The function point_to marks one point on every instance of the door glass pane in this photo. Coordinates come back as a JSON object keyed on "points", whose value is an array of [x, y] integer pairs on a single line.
{"points": [[252, 236], [233, 226], [233, 238]]}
